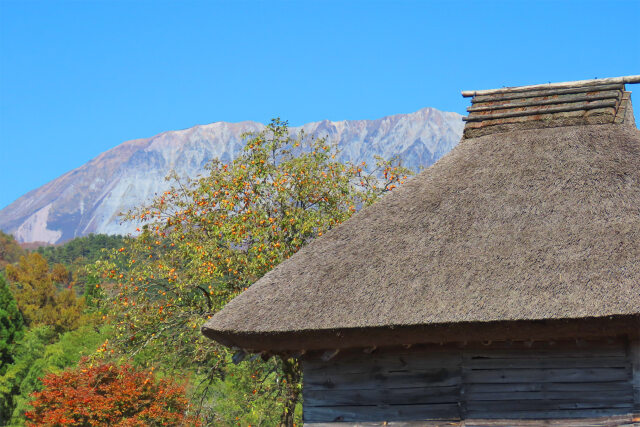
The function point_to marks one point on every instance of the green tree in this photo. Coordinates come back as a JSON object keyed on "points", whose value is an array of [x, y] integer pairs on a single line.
{"points": [[207, 239], [29, 349], [87, 249], [11, 324], [248, 393]]}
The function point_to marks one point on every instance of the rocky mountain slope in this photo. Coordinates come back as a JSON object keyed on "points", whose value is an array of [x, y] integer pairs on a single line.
{"points": [[89, 199]]}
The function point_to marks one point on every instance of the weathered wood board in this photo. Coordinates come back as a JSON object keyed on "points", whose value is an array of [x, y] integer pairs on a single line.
{"points": [[542, 380], [634, 352]]}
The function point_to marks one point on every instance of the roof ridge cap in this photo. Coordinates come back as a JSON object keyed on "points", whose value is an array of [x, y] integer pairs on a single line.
{"points": [[631, 79]]}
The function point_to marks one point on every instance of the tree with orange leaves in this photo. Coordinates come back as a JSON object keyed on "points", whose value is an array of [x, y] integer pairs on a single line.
{"points": [[108, 394], [207, 239]]}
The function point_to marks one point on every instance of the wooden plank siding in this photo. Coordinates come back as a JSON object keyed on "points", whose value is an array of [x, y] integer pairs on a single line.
{"points": [[367, 387], [634, 350], [541, 380]]}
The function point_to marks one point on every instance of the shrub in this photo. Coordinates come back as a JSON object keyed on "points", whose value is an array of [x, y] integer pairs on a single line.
{"points": [[108, 394]]}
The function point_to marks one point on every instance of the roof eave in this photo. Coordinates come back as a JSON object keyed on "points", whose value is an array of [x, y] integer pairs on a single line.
{"points": [[544, 329]]}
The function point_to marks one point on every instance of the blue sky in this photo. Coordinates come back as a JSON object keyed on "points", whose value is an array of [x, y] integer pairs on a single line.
{"points": [[79, 77]]}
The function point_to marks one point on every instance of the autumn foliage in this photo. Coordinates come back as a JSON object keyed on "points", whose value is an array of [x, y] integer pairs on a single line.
{"points": [[35, 287], [207, 239], [108, 394], [210, 237]]}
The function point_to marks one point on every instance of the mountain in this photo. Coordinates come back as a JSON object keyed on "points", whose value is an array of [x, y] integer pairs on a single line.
{"points": [[88, 199]]}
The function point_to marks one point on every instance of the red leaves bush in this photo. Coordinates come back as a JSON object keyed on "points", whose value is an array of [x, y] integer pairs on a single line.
{"points": [[108, 395]]}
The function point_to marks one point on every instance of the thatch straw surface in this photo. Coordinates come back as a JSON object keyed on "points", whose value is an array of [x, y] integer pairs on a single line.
{"points": [[526, 225]]}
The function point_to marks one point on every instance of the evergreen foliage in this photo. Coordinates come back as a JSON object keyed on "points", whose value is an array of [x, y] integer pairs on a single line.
{"points": [[11, 324], [13, 389], [88, 249]]}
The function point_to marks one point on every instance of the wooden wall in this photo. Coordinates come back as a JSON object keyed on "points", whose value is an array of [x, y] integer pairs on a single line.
{"points": [[635, 361], [541, 380]]}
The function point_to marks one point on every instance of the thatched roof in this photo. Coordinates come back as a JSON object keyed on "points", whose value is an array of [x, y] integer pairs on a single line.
{"points": [[529, 225]]}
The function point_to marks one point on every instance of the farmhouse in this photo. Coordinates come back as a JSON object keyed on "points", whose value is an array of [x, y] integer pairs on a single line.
{"points": [[501, 286]]}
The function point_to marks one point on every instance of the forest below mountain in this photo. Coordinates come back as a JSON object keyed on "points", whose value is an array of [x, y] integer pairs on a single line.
{"points": [[105, 330]]}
